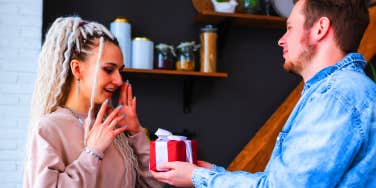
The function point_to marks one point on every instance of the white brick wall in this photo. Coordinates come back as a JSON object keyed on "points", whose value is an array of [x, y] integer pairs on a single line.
{"points": [[20, 42]]}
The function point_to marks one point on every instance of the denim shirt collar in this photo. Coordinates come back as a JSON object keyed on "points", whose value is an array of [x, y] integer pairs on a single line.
{"points": [[352, 61]]}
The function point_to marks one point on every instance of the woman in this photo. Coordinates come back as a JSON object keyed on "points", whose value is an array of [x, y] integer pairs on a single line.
{"points": [[76, 138]]}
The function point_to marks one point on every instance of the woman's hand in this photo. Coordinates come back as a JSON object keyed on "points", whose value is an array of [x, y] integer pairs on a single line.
{"points": [[128, 102], [104, 131]]}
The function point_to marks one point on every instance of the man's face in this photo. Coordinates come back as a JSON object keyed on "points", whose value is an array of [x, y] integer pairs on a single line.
{"points": [[297, 48]]}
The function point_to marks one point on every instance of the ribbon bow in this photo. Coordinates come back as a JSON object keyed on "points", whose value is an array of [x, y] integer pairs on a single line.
{"points": [[161, 146], [165, 135]]}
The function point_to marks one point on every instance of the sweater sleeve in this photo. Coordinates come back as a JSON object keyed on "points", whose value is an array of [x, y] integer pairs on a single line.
{"points": [[46, 168], [141, 147]]}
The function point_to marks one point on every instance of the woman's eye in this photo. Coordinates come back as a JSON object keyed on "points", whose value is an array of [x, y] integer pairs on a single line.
{"points": [[108, 70]]}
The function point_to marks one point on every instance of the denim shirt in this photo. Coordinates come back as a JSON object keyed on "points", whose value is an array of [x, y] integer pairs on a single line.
{"points": [[329, 140]]}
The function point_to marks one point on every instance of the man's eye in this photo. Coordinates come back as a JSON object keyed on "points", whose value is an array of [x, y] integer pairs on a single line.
{"points": [[108, 70]]}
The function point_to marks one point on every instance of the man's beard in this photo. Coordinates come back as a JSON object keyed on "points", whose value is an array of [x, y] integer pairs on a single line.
{"points": [[296, 66]]}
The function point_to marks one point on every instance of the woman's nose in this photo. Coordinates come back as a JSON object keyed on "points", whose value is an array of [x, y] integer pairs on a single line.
{"points": [[118, 80]]}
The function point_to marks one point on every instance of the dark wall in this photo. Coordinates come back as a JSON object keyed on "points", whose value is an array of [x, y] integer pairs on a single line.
{"points": [[225, 113]]}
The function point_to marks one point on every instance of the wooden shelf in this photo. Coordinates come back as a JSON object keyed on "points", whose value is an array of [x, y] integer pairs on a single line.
{"points": [[174, 73], [213, 17], [188, 79]]}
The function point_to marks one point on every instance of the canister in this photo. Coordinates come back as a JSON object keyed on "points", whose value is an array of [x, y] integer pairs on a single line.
{"points": [[208, 52], [142, 53], [121, 28]]}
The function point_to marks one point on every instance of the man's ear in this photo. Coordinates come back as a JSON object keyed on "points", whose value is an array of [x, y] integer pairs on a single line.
{"points": [[321, 28], [76, 68]]}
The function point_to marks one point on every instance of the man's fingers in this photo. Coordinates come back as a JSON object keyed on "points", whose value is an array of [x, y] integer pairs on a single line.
{"points": [[204, 164], [161, 176], [168, 165], [158, 175]]}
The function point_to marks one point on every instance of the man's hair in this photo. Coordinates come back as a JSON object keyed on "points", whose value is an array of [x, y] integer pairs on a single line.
{"points": [[349, 18]]}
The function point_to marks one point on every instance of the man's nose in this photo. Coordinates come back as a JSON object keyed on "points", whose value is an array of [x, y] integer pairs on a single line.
{"points": [[281, 41]]}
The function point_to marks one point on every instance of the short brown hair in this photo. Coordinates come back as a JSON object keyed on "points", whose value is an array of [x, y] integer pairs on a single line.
{"points": [[349, 18]]}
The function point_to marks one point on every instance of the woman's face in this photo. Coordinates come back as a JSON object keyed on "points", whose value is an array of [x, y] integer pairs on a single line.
{"points": [[109, 78]]}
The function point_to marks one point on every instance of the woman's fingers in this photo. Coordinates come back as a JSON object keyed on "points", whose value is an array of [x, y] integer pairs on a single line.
{"points": [[109, 110], [126, 94], [134, 104], [129, 95], [101, 113], [116, 121], [119, 130], [122, 97], [113, 114]]}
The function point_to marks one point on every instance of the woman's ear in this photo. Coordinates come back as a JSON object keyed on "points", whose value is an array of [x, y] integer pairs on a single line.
{"points": [[75, 66]]}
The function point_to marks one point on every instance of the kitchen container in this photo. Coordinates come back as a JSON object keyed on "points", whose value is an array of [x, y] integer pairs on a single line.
{"points": [[142, 53], [121, 29]]}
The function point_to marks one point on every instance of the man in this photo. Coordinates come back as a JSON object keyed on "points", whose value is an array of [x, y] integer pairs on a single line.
{"points": [[329, 139]]}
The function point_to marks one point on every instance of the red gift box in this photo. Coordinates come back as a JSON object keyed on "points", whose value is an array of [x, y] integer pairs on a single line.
{"points": [[176, 151]]}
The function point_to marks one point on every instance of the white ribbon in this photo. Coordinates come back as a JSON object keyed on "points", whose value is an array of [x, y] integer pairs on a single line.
{"points": [[161, 151]]}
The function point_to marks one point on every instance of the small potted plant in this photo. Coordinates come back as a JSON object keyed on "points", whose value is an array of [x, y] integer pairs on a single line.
{"points": [[251, 6], [226, 6]]}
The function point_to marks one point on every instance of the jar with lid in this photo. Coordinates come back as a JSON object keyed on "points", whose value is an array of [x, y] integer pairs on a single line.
{"points": [[186, 58], [208, 52], [164, 56], [142, 53], [121, 28]]}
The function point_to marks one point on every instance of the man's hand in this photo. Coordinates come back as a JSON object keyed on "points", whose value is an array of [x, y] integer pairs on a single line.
{"points": [[204, 164], [179, 174]]}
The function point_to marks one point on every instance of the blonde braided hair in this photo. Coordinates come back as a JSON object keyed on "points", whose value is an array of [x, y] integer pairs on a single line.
{"points": [[71, 38]]}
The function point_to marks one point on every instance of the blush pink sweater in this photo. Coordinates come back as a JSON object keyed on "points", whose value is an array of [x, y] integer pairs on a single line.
{"points": [[57, 158]]}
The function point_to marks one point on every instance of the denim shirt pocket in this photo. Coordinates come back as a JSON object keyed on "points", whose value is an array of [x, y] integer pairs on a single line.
{"points": [[278, 143]]}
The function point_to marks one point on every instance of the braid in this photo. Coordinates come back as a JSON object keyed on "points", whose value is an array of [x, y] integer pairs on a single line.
{"points": [[50, 65], [63, 70], [93, 90], [122, 145]]}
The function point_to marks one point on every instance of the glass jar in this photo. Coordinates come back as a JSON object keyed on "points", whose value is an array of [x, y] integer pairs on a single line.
{"points": [[208, 52], [164, 56], [186, 58]]}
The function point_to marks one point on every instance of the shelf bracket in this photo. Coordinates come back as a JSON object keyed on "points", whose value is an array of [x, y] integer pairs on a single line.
{"points": [[187, 94]]}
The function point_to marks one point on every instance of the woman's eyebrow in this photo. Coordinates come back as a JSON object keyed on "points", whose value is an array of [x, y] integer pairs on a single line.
{"points": [[111, 63], [115, 65]]}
